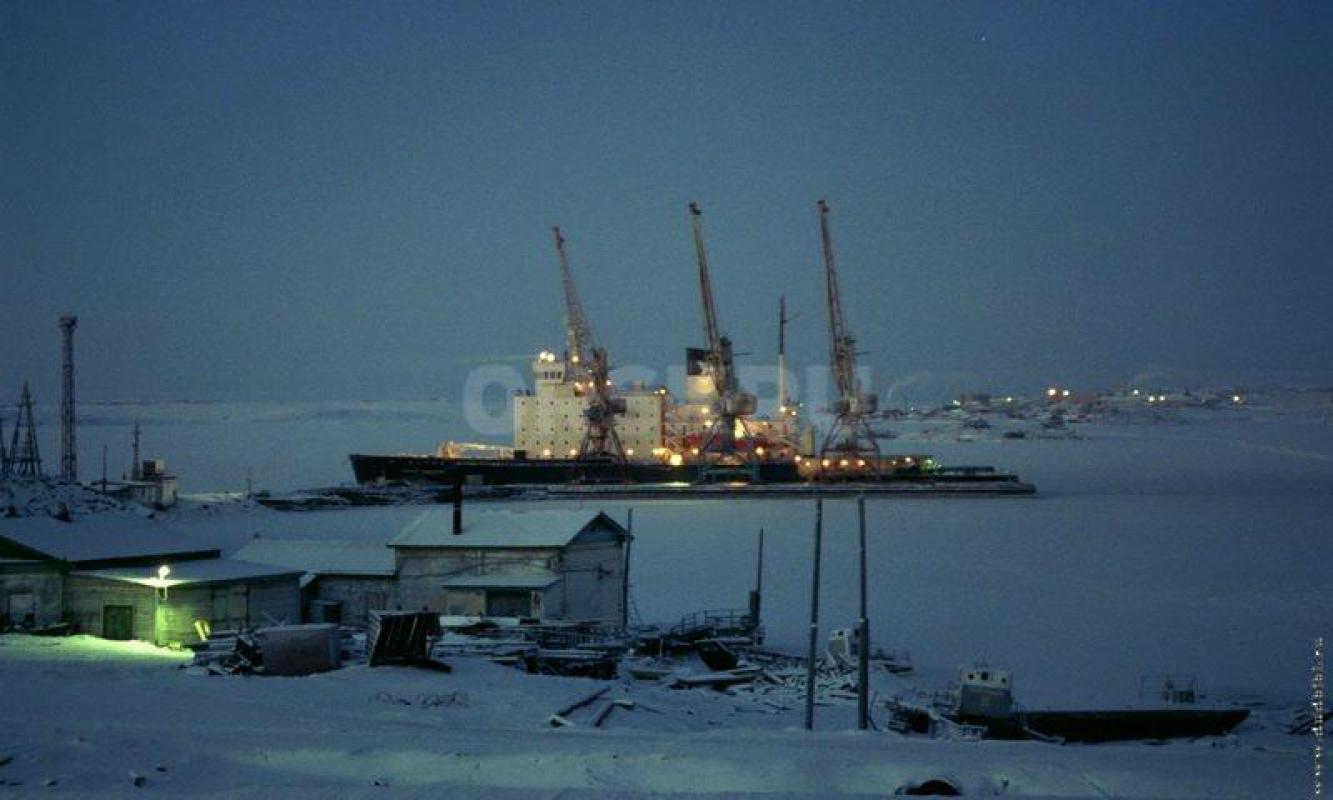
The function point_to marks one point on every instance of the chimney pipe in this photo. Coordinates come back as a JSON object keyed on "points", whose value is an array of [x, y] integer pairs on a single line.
{"points": [[458, 502]]}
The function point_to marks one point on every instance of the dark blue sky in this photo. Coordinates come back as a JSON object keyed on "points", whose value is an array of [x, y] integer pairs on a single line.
{"points": [[297, 200]]}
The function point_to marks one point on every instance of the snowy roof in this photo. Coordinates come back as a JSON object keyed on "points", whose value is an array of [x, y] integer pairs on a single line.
{"points": [[321, 557], [505, 579], [102, 537], [211, 570], [501, 528]]}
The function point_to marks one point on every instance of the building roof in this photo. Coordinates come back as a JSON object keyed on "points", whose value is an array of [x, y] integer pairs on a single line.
{"points": [[502, 528], [321, 557], [185, 573], [100, 538], [504, 579]]}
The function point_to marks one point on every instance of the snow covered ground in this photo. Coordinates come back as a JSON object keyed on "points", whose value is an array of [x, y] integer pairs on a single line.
{"points": [[1197, 545]]}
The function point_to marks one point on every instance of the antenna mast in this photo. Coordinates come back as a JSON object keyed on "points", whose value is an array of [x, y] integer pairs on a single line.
{"points": [[24, 459], [69, 456]]}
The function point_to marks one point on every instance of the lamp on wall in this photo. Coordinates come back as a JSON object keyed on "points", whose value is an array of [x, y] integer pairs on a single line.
{"points": [[162, 573]]}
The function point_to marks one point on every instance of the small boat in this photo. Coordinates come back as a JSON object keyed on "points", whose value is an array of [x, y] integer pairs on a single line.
{"points": [[980, 705]]}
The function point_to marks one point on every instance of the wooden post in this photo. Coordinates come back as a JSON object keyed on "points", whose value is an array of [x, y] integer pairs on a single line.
{"points": [[757, 595], [863, 632], [624, 588], [814, 621]]}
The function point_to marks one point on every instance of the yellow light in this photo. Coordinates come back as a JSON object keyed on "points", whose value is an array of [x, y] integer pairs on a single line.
{"points": [[546, 452], [629, 451], [694, 451], [608, 382], [842, 463], [909, 459], [860, 462], [798, 459], [574, 359], [759, 451], [573, 452], [827, 462], [676, 459], [1052, 392]]}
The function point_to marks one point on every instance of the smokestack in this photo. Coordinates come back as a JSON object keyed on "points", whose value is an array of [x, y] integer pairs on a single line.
{"points": [[458, 502]]}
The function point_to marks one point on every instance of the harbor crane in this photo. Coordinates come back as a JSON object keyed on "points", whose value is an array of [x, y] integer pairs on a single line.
{"points": [[719, 446], [850, 445], [589, 369]]}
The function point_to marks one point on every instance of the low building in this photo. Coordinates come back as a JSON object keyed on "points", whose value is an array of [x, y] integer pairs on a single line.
{"points": [[180, 603], [95, 542], [564, 565], [342, 581], [122, 577], [30, 593]]}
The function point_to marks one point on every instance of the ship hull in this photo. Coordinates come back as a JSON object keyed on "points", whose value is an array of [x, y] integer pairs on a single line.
{"points": [[638, 477]]}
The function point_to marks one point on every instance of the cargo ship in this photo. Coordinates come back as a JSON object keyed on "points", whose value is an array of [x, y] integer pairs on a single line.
{"points": [[579, 431], [661, 439]]}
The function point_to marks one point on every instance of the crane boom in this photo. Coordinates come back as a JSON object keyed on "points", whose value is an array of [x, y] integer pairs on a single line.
{"points": [[850, 438], [712, 333], [578, 334], [587, 366], [732, 405], [842, 356]]}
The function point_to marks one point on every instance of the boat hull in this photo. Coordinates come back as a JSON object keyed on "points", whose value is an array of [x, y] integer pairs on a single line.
{"points": [[609, 477]]}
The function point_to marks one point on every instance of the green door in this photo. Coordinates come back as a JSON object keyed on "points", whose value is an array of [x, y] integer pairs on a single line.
{"points": [[118, 622]]}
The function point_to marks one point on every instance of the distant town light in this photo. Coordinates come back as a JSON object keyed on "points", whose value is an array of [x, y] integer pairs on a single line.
{"points": [[1065, 393], [676, 460], [1235, 398], [629, 451], [1052, 392]]}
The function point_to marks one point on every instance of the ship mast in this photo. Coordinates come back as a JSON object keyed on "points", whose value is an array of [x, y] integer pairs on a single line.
{"points": [[849, 440]]}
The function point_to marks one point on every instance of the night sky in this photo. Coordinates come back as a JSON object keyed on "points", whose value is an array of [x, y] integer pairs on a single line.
{"points": [[258, 200]]}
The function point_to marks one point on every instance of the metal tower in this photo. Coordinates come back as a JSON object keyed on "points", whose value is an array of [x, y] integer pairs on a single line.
{"points": [[849, 446], [69, 457], [732, 405], [24, 459]]}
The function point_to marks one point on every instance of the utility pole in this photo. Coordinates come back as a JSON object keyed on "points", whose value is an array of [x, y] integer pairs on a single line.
{"points": [[814, 621], [136, 466], [624, 588], [69, 456], [863, 632], [757, 596]]}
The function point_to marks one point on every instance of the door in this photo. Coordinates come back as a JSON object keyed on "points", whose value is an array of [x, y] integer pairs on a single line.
{"points": [[22, 609], [118, 623], [508, 603]]}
